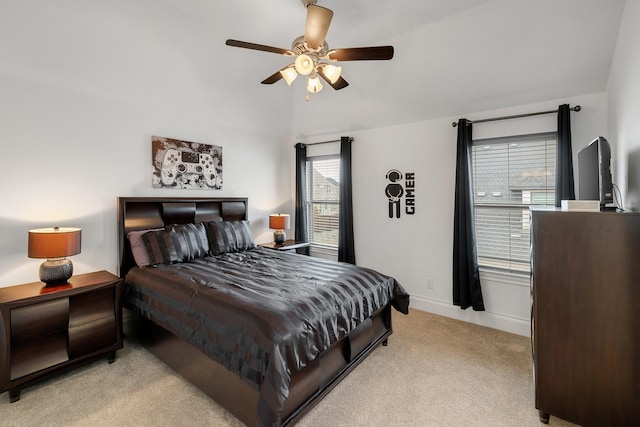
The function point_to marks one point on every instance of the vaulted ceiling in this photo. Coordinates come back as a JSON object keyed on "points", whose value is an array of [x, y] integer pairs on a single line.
{"points": [[452, 57]]}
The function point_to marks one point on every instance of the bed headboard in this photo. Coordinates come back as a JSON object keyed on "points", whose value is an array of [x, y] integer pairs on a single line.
{"points": [[140, 213]]}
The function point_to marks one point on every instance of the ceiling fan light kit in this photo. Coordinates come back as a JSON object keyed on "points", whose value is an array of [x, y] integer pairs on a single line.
{"points": [[311, 49], [314, 85], [304, 64], [331, 72], [289, 74]]}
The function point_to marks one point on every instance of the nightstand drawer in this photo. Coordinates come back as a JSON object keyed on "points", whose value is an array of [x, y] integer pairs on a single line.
{"points": [[91, 336], [92, 306], [39, 320], [34, 356]]}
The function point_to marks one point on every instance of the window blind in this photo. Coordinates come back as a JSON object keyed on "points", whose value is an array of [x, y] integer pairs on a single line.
{"points": [[510, 174], [323, 192]]}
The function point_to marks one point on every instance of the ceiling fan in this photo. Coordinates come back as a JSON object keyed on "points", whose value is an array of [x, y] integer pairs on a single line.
{"points": [[312, 54]]}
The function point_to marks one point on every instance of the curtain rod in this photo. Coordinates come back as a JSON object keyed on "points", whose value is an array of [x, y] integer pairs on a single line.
{"points": [[517, 116], [325, 142]]}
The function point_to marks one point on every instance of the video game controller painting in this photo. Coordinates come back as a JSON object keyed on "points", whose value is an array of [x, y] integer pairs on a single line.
{"points": [[183, 164]]}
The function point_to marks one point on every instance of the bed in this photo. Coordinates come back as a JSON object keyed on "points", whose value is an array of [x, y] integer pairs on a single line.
{"points": [[264, 333]]}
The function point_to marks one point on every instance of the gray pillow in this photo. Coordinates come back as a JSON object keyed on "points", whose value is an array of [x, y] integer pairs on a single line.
{"points": [[138, 248], [195, 237], [244, 238], [229, 236], [165, 247]]}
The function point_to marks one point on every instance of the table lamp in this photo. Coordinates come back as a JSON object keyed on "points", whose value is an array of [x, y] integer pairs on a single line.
{"points": [[279, 222], [54, 244]]}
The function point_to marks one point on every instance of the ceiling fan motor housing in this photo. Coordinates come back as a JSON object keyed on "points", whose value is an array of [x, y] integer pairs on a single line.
{"points": [[299, 46]]}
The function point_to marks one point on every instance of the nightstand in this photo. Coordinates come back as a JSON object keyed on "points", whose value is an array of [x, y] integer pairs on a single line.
{"points": [[48, 330], [289, 246]]}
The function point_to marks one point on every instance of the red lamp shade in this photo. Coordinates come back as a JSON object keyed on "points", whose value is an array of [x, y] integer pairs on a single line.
{"points": [[56, 242], [279, 222]]}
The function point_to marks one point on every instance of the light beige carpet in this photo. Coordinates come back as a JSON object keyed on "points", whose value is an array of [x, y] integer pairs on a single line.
{"points": [[434, 372]]}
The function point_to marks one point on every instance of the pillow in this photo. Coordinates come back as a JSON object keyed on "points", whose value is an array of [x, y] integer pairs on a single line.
{"points": [[229, 236], [165, 247], [195, 237], [138, 249], [221, 237], [244, 238]]}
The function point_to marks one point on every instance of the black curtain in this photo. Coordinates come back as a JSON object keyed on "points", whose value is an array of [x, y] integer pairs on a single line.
{"points": [[301, 193], [346, 246], [564, 165], [466, 277]]}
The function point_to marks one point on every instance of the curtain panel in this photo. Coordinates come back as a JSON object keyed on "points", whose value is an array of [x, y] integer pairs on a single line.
{"points": [[564, 166], [346, 245], [467, 291], [302, 234]]}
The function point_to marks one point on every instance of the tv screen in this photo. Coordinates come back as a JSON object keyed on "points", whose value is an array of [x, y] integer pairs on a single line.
{"points": [[594, 172]]}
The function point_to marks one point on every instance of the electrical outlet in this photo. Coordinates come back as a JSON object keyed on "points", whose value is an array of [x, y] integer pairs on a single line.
{"points": [[429, 283]]}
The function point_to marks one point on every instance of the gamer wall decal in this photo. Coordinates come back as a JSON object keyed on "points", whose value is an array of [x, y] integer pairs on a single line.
{"points": [[186, 165], [401, 193]]}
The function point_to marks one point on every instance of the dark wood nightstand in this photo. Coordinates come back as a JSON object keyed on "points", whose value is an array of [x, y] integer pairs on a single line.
{"points": [[289, 245], [48, 330]]}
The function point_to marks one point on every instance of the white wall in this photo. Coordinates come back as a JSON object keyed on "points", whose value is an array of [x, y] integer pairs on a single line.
{"points": [[71, 155], [420, 246], [84, 87], [624, 105]]}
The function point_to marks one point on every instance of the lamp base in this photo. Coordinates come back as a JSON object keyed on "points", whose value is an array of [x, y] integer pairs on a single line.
{"points": [[56, 271], [279, 236]]}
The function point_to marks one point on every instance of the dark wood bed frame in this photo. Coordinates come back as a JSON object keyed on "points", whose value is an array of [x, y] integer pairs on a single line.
{"points": [[307, 387]]}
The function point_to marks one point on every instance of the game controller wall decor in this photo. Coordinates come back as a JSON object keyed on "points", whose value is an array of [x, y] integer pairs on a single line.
{"points": [[184, 164]]}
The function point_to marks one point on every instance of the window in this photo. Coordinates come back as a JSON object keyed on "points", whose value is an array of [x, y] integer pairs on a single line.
{"points": [[323, 197], [510, 174]]}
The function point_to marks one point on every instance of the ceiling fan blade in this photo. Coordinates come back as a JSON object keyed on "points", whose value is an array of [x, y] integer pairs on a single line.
{"points": [[318, 21], [255, 46], [339, 84], [272, 78], [373, 53]]}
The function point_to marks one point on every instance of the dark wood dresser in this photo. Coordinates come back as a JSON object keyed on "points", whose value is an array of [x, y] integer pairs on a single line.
{"points": [[47, 330], [586, 316]]}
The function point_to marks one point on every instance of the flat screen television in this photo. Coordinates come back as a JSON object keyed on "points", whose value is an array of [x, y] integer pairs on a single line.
{"points": [[594, 172]]}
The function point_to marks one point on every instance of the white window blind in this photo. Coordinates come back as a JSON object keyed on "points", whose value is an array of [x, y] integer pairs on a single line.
{"points": [[323, 194], [510, 174]]}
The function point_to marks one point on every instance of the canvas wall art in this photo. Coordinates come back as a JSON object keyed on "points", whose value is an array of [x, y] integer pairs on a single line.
{"points": [[184, 164]]}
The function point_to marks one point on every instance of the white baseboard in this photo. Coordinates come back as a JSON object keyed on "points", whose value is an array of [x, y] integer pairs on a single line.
{"points": [[484, 318]]}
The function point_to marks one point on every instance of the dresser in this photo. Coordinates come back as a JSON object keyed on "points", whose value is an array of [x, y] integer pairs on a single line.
{"points": [[586, 316]]}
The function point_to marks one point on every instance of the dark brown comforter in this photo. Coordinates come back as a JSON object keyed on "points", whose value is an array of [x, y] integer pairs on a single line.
{"points": [[262, 314]]}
